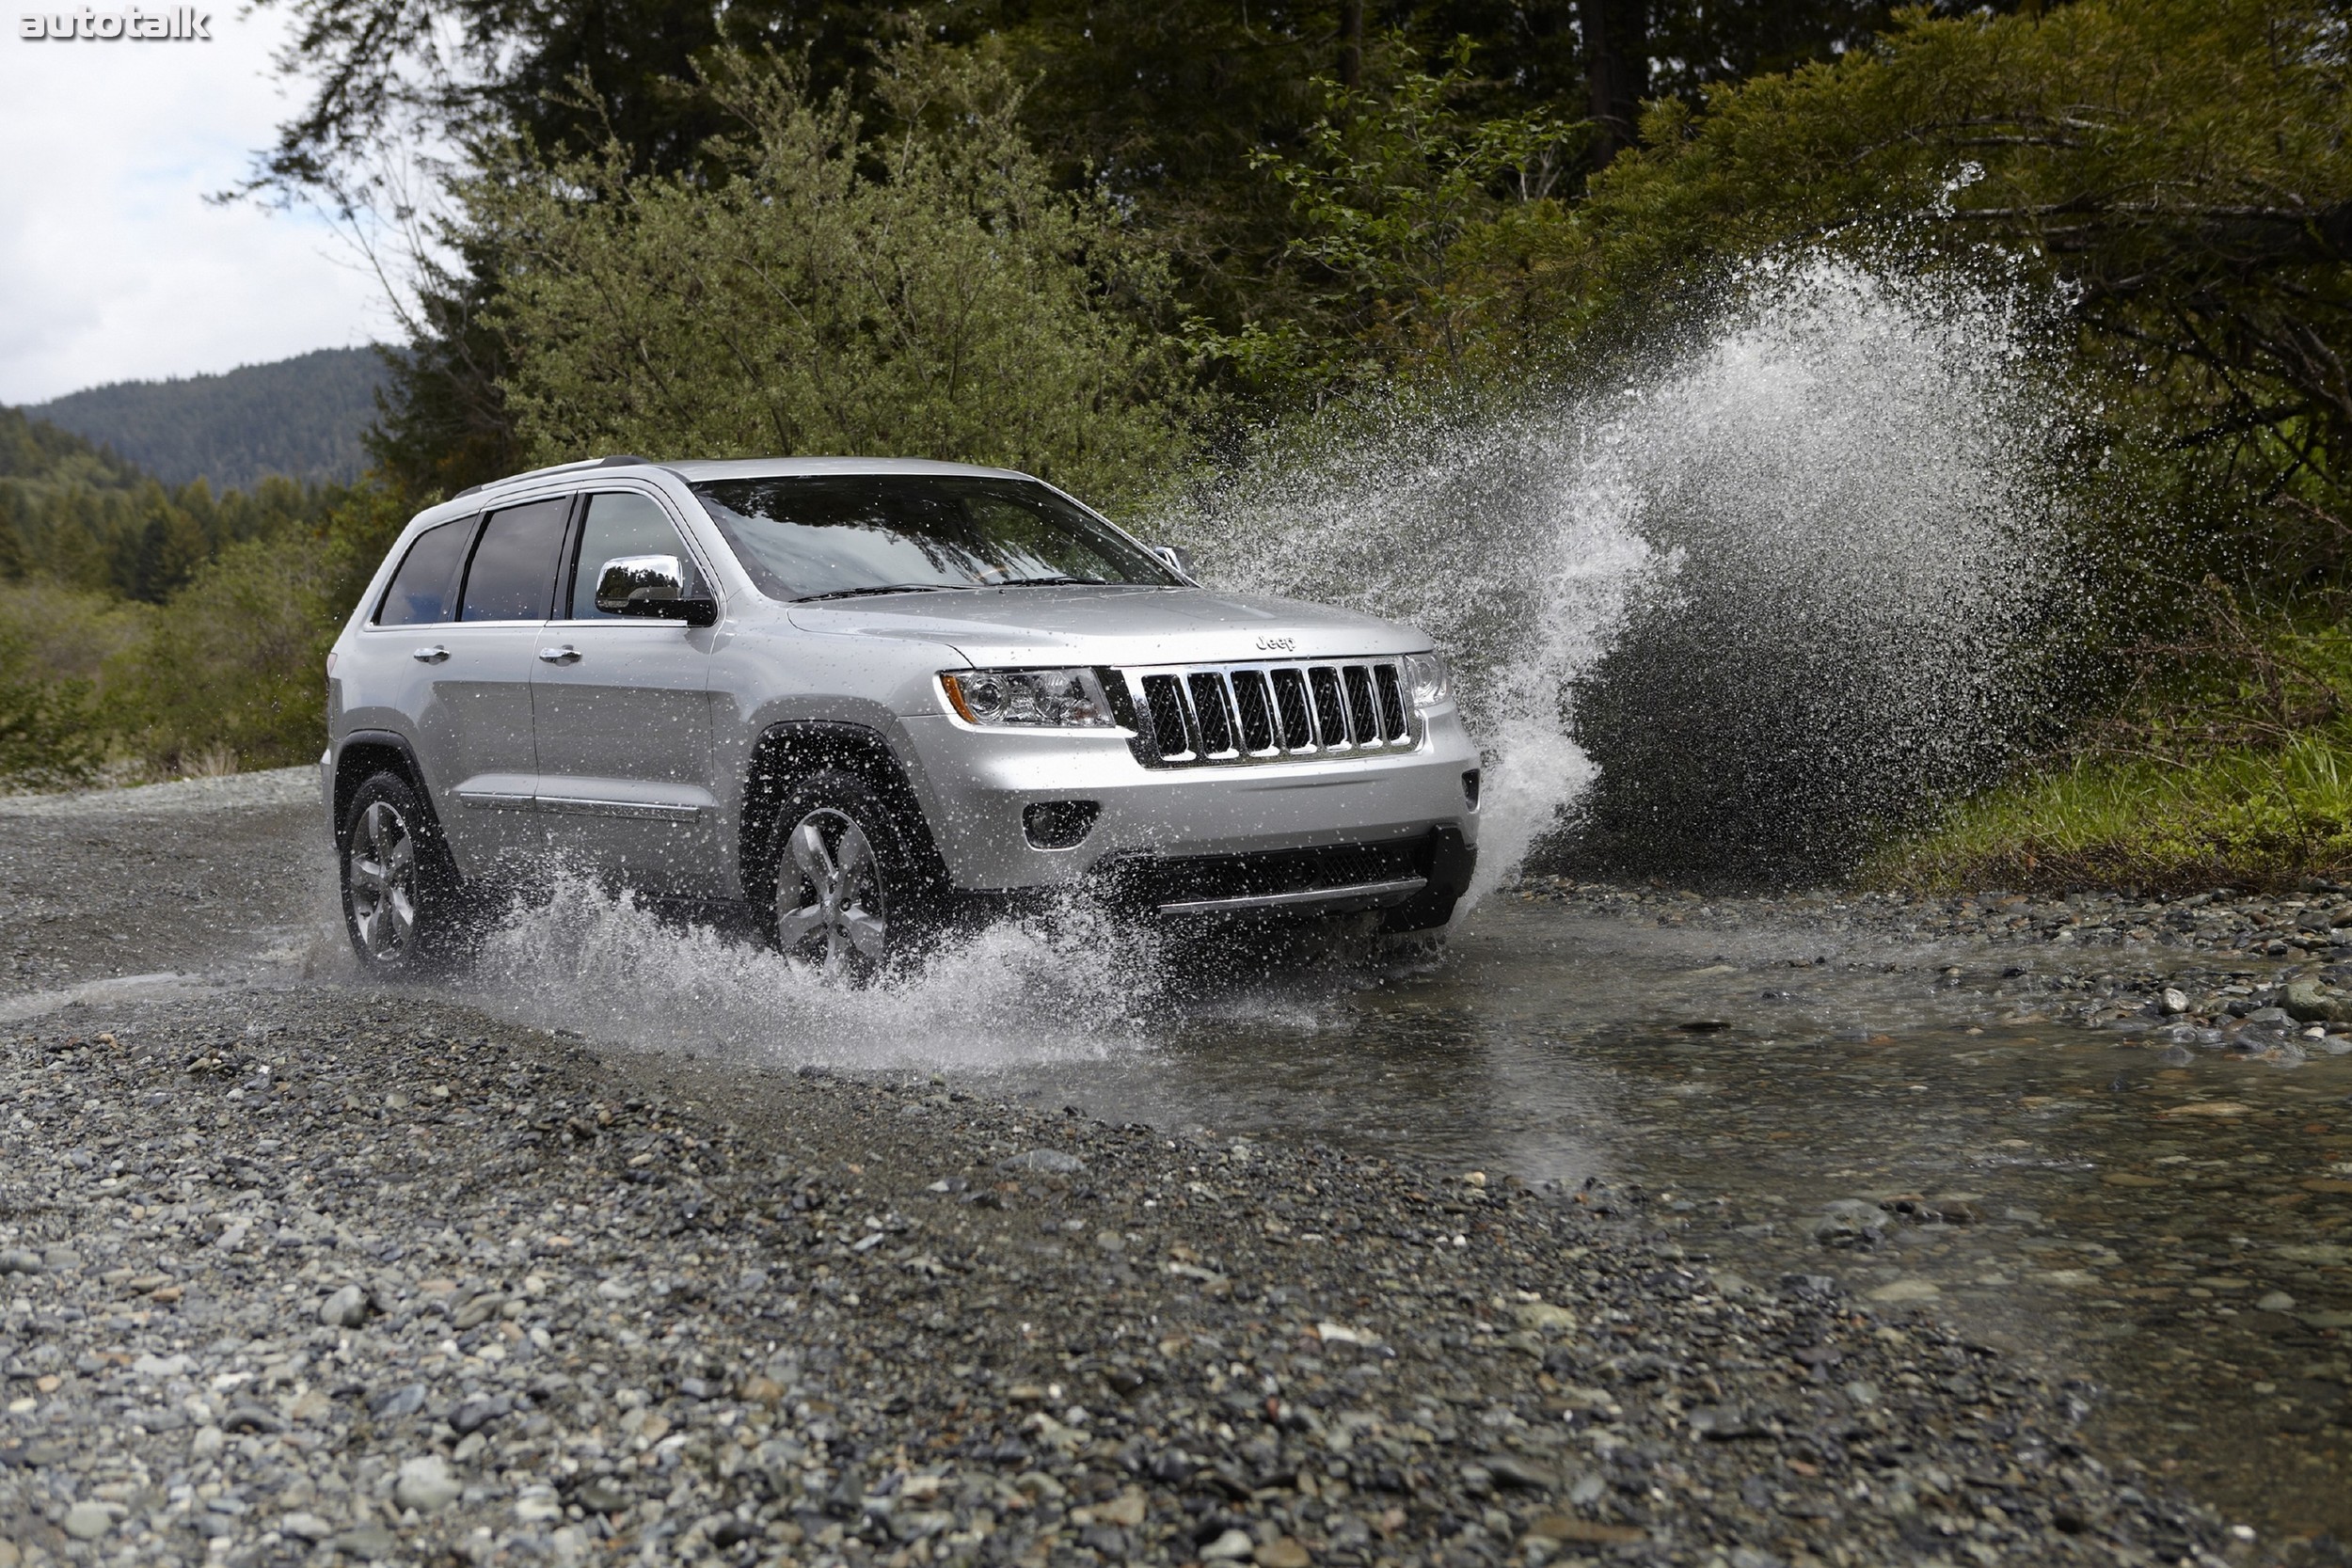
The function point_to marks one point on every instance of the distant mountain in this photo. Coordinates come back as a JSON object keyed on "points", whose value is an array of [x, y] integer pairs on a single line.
{"points": [[300, 417]]}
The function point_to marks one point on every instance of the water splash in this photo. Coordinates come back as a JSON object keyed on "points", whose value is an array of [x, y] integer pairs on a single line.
{"points": [[1778, 582], [1020, 991]]}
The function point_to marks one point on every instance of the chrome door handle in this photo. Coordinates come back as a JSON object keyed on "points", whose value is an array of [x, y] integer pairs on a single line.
{"points": [[564, 655], [433, 654]]}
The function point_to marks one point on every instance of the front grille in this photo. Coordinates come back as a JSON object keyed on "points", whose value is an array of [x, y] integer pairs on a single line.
{"points": [[1193, 716]]}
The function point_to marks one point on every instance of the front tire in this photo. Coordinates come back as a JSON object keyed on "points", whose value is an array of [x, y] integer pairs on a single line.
{"points": [[849, 895], [400, 891]]}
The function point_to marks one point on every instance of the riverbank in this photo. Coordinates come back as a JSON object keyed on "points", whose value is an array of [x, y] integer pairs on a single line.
{"points": [[302, 1267], [2256, 973]]}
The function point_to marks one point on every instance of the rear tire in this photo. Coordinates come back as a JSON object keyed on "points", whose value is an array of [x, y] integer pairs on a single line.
{"points": [[401, 891], [848, 892]]}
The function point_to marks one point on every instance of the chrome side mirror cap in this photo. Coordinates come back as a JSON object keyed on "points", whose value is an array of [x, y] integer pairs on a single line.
{"points": [[650, 585]]}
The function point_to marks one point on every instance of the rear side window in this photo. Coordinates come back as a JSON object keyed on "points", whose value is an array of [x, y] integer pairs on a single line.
{"points": [[513, 575], [620, 524], [419, 593]]}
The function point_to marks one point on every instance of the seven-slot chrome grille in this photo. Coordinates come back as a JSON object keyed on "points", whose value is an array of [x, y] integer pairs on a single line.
{"points": [[1196, 715]]}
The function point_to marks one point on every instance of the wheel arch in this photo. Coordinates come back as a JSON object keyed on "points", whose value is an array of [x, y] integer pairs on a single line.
{"points": [[361, 756], [796, 749]]}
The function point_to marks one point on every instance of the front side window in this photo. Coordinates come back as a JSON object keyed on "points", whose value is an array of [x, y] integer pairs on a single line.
{"points": [[513, 575], [421, 591], [621, 523], [833, 536]]}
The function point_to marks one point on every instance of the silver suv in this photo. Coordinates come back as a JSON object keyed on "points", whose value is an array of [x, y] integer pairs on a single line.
{"points": [[867, 698]]}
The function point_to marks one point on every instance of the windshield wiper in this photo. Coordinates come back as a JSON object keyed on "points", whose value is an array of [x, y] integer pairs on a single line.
{"points": [[886, 587], [1051, 582]]}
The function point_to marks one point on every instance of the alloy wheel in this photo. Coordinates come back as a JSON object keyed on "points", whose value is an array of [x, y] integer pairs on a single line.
{"points": [[829, 895], [381, 871]]}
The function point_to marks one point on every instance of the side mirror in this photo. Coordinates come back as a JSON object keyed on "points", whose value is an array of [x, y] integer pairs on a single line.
{"points": [[652, 586], [1177, 560]]}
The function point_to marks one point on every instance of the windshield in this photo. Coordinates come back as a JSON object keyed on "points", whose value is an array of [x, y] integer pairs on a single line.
{"points": [[835, 535]]}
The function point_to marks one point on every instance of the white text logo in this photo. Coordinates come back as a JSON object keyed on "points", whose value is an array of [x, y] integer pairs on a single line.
{"points": [[183, 23]]}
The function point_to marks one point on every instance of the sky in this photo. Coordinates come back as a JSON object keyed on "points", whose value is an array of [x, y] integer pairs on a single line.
{"points": [[113, 266]]}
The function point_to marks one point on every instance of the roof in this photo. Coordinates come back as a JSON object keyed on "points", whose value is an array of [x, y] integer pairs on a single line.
{"points": [[783, 467]]}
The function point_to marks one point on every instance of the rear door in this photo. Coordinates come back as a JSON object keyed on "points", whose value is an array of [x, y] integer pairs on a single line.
{"points": [[477, 727], [621, 711]]}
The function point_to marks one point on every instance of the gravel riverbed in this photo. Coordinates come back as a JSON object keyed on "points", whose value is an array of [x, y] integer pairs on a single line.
{"points": [[306, 1273], [2267, 975]]}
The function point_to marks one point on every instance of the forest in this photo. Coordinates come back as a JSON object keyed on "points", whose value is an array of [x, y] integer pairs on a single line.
{"points": [[297, 419], [1123, 245]]}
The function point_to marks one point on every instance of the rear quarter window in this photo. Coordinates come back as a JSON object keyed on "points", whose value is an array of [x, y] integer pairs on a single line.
{"points": [[427, 579]]}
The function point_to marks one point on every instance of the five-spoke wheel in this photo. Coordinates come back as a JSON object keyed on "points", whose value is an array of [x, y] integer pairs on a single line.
{"points": [[832, 908], [381, 870], [400, 892]]}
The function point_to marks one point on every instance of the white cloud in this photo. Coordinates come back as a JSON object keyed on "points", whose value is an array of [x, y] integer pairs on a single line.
{"points": [[113, 266]]}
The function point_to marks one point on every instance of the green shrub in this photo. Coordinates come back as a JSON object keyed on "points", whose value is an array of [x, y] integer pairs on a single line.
{"points": [[832, 289]]}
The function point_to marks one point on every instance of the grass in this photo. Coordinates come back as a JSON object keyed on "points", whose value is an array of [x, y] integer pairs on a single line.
{"points": [[2245, 819], [2228, 763]]}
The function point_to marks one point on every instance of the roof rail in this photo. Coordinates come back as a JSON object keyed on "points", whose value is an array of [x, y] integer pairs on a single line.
{"points": [[619, 460]]}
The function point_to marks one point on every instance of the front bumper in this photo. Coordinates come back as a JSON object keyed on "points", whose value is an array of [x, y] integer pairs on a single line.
{"points": [[980, 783]]}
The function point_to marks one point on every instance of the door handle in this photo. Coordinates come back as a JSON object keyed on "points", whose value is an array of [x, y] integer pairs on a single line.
{"points": [[433, 654], [564, 655]]}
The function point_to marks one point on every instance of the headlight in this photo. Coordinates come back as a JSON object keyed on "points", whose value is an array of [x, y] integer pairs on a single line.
{"points": [[1054, 699], [1427, 676]]}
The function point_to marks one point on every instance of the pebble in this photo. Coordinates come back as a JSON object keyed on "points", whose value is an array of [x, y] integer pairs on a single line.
{"points": [[426, 1486], [776, 1321], [346, 1309], [87, 1521]]}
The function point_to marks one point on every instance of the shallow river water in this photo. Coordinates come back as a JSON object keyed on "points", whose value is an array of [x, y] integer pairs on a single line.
{"points": [[2176, 1237]]}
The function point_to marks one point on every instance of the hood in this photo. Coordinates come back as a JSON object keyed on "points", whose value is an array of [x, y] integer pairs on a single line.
{"points": [[1112, 624]]}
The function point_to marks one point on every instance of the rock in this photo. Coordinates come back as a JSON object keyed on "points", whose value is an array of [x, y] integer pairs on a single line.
{"points": [[601, 1494], [2308, 1002], [1568, 1529], [475, 1414], [1233, 1546], [1051, 1162], [305, 1527], [346, 1309], [252, 1417], [162, 1366], [2277, 1301], [87, 1521], [1849, 1222], [2174, 1000], [2175, 1055], [1125, 1511], [537, 1505], [425, 1484], [17, 1260], [1542, 1317], [1723, 1423], [368, 1543], [1518, 1474], [1282, 1552], [395, 1403]]}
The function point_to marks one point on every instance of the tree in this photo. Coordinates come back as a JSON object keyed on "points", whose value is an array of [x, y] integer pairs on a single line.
{"points": [[2181, 167], [1403, 200], [920, 288]]}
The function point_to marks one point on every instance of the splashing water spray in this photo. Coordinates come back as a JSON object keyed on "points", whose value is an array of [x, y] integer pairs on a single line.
{"points": [[1783, 580], [1817, 533]]}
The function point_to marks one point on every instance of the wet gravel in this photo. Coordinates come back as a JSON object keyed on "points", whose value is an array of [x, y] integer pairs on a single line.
{"points": [[2262, 976], [302, 1272], [198, 873]]}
